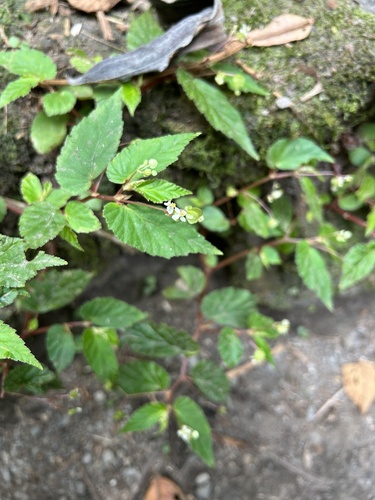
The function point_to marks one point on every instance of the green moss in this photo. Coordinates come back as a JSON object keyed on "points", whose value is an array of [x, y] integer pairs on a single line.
{"points": [[338, 52]]}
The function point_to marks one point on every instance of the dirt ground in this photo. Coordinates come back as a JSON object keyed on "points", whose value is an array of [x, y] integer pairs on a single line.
{"points": [[286, 432]]}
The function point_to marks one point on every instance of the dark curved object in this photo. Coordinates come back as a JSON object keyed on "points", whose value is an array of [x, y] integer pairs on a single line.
{"points": [[202, 29]]}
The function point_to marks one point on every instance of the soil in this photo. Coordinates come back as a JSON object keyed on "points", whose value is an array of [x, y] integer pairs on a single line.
{"points": [[287, 431]]}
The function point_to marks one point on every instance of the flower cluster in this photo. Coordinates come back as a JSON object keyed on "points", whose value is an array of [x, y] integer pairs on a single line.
{"points": [[282, 326], [190, 214], [276, 193], [187, 434], [342, 236], [148, 168], [340, 182]]}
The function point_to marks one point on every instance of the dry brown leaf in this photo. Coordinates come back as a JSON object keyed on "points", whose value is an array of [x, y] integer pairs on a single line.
{"points": [[359, 383], [281, 30], [163, 488], [35, 5], [93, 5]]}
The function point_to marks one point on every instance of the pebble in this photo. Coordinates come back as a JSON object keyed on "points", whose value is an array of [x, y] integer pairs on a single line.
{"points": [[100, 396], [203, 486], [87, 458], [108, 457]]}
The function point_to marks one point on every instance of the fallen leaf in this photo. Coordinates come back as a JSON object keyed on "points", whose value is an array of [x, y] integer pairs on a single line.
{"points": [[163, 488], [359, 383], [93, 5], [35, 5], [281, 30]]}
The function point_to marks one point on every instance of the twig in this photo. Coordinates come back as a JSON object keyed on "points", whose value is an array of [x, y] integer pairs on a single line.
{"points": [[325, 408], [239, 370], [318, 482]]}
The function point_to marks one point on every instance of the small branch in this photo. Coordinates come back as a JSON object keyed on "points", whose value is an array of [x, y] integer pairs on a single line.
{"points": [[348, 216], [43, 329]]}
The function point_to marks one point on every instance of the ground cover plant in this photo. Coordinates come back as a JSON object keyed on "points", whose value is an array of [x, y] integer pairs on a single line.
{"points": [[99, 185]]}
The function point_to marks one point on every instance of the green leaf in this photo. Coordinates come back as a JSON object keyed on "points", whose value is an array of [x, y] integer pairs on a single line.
{"points": [[237, 79], [230, 347], [61, 347], [142, 376], [229, 306], [15, 270], [349, 202], [59, 103], [360, 156], [210, 380], [255, 220], [55, 289], [48, 132], [159, 340], [367, 133], [58, 197], [31, 63], [253, 266], [370, 222], [366, 189], [131, 95], [359, 262], [31, 188], [70, 237], [264, 348], [8, 296], [314, 273], [189, 413], [40, 223], [215, 220], [147, 416], [269, 256], [163, 150], [218, 111], [81, 218], [262, 326], [142, 30], [98, 349], [90, 146], [16, 89], [30, 379], [152, 232], [111, 312], [312, 199], [190, 284], [3, 209], [13, 347], [290, 154], [157, 190], [282, 210]]}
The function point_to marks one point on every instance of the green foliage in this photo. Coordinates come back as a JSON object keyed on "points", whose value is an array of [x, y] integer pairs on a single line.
{"points": [[13, 347], [229, 306], [29, 379], [313, 271], [155, 216], [59, 103], [210, 380], [142, 30], [142, 376], [189, 285], [159, 340], [188, 413], [99, 351], [218, 111], [55, 290], [152, 232], [131, 95], [290, 154], [147, 416], [87, 151], [48, 132], [359, 262], [230, 347], [61, 347], [111, 312]]}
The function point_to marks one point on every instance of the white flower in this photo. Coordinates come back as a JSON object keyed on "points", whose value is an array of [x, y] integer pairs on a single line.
{"points": [[170, 207], [282, 326], [175, 212], [187, 434], [342, 236]]}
